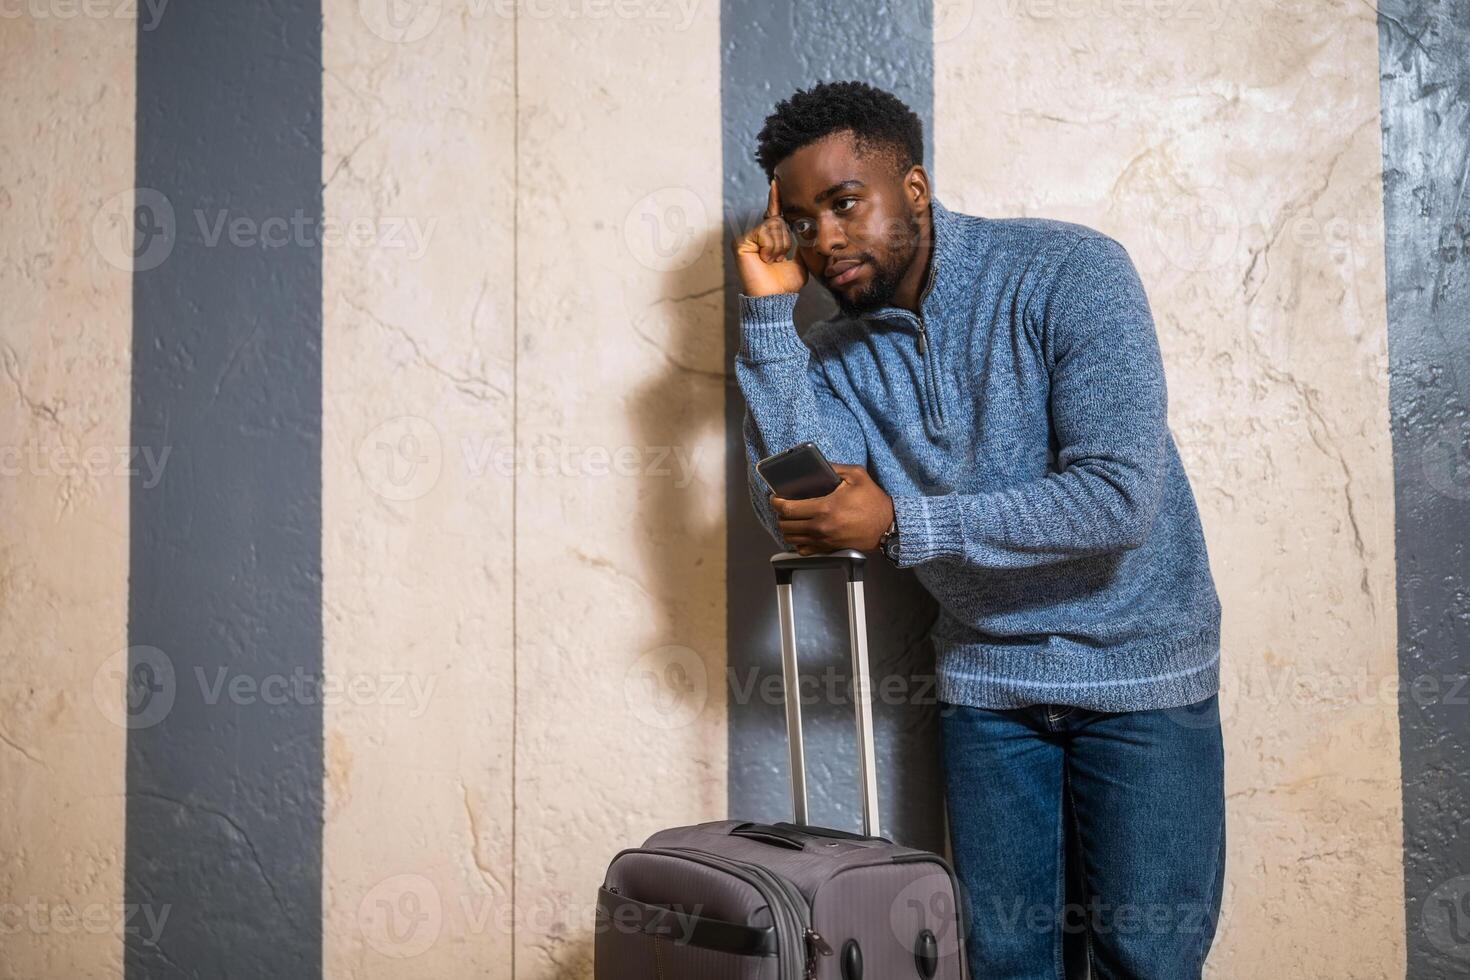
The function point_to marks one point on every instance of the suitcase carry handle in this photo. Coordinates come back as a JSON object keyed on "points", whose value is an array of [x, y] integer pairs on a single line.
{"points": [[770, 834], [794, 836], [811, 831], [785, 565]]}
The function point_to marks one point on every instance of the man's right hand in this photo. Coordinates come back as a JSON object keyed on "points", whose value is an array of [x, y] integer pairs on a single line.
{"points": [[761, 258]]}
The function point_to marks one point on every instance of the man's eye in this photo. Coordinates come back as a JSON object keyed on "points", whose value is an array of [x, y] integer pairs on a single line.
{"points": [[839, 208]]}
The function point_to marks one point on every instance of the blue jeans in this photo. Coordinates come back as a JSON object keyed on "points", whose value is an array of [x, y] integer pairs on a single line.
{"points": [[1087, 840]]}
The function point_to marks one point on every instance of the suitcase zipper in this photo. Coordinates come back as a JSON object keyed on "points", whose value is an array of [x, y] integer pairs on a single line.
{"points": [[788, 899], [812, 940], [815, 945]]}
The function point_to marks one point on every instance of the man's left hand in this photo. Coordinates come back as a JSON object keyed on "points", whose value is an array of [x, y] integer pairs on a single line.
{"points": [[855, 515]]}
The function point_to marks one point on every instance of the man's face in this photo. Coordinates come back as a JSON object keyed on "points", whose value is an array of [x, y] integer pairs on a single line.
{"points": [[853, 218]]}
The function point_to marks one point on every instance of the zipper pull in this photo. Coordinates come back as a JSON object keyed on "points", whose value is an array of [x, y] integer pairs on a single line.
{"points": [[815, 944], [921, 336]]}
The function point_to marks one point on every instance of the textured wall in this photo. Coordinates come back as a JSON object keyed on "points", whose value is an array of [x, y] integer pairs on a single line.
{"points": [[620, 549], [419, 573], [561, 604], [66, 165], [1233, 149], [527, 651], [224, 768], [1425, 78]]}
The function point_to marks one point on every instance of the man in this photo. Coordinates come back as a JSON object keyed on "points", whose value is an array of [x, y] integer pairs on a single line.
{"points": [[992, 394]]}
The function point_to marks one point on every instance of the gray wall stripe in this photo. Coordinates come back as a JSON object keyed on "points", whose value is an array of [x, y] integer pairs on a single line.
{"points": [[1424, 82], [768, 51], [224, 754]]}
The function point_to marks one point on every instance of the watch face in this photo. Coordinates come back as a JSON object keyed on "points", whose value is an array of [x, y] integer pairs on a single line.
{"points": [[890, 547]]}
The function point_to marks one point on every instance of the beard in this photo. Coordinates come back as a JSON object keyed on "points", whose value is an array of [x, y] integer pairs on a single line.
{"points": [[882, 282]]}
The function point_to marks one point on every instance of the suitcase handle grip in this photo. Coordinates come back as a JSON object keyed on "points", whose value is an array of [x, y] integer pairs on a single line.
{"points": [[795, 836], [785, 565], [827, 832], [770, 834], [789, 562]]}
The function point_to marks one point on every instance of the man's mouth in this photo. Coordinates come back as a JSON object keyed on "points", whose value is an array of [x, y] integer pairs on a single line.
{"points": [[844, 271]]}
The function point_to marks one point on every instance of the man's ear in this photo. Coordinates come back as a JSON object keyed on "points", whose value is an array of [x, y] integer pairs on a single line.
{"points": [[916, 189]]}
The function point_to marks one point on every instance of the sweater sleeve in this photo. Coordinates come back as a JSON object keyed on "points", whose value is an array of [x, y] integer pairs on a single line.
{"points": [[1109, 414], [788, 398]]}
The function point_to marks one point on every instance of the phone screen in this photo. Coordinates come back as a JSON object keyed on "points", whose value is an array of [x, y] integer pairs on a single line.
{"points": [[799, 473]]}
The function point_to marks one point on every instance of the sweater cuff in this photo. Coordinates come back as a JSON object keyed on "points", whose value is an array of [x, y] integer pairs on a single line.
{"points": [[928, 528], [768, 329]]}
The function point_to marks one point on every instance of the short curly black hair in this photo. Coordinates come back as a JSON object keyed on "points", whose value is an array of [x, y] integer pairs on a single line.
{"points": [[878, 120]]}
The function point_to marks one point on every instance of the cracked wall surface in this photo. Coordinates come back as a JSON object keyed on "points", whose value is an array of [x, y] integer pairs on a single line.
{"points": [[521, 476], [1234, 150], [524, 506], [418, 523], [66, 164], [620, 585]]}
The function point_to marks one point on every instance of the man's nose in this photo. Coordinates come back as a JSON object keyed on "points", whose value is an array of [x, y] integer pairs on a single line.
{"points": [[831, 237]]}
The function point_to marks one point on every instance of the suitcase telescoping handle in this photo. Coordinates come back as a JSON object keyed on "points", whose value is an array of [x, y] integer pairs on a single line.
{"points": [[785, 565]]}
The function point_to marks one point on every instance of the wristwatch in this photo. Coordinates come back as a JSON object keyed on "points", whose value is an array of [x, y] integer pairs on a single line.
{"points": [[888, 543]]}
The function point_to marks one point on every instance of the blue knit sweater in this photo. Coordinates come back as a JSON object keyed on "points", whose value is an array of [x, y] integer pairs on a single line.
{"points": [[1021, 427]]}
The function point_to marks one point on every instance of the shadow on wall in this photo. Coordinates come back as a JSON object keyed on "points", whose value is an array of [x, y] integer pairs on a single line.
{"points": [[899, 614], [678, 522]]}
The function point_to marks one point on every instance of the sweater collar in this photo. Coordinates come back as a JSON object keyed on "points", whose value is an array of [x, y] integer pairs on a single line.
{"points": [[943, 266]]}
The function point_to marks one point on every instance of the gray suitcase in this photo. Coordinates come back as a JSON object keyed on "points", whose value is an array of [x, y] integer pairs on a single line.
{"points": [[738, 900]]}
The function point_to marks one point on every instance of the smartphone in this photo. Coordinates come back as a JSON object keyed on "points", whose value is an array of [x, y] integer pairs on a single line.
{"points": [[799, 473]]}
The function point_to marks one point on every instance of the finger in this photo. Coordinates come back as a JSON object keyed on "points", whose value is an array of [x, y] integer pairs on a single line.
{"points": [[750, 241], [774, 241], [797, 509], [845, 470], [767, 244], [797, 529], [780, 237], [763, 238], [773, 201], [783, 235]]}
